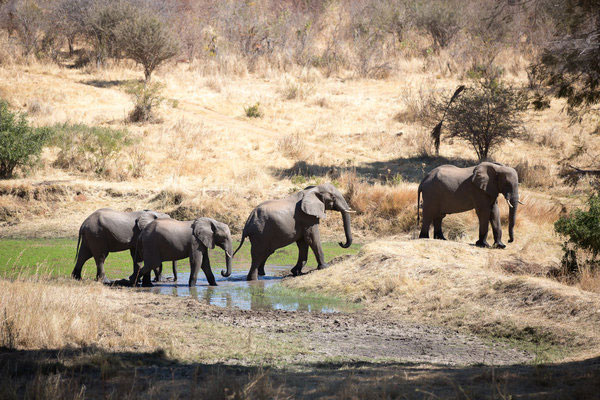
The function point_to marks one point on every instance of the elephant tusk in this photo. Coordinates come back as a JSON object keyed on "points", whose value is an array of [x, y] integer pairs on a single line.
{"points": [[351, 211], [509, 203], [228, 255], [520, 202]]}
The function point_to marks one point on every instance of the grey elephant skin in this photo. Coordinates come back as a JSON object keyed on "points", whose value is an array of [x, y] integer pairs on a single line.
{"points": [[278, 223], [448, 190], [170, 240], [107, 231]]}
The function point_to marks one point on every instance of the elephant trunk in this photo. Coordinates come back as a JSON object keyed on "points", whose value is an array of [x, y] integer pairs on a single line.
{"points": [[228, 256], [512, 215], [347, 231]]}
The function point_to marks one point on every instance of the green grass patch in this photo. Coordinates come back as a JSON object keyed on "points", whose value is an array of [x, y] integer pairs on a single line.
{"points": [[57, 257]]}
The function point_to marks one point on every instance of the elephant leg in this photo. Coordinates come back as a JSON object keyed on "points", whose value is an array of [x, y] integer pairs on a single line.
{"points": [[137, 265], [437, 228], [425, 226], [314, 241], [207, 270], [484, 219], [84, 255], [175, 271], [158, 274], [259, 256], [100, 275], [496, 227], [261, 268], [302, 257]]}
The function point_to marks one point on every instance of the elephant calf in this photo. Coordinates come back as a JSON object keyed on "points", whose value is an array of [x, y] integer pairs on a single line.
{"points": [[448, 190], [170, 240], [278, 223]]}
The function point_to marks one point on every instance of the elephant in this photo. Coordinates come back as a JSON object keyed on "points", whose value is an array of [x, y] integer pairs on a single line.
{"points": [[448, 189], [171, 240], [278, 223], [107, 230]]}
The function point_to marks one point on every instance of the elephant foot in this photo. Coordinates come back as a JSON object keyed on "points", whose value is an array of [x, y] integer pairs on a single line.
{"points": [[296, 271], [76, 276], [322, 266], [424, 236], [439, 236], [159, 279], [482, 243], [147, 284], [261, 273], [499, 245]]}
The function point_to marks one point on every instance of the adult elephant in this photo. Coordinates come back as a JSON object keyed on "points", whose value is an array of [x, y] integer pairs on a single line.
{"points": [[448, 190], [278, 223], [107, 231], [171, 240]]}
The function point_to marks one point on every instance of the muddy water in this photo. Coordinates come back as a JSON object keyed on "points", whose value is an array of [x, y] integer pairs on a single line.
{"points": [[264, 294]]}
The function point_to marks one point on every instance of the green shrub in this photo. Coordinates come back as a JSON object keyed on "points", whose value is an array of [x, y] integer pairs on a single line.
{"points": [[88, 148], [253, 111], [582, 228], [146, 97], [20, 144]]}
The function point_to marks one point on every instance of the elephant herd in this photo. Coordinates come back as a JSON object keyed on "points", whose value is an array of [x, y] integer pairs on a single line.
{"points": [[153, 237]]}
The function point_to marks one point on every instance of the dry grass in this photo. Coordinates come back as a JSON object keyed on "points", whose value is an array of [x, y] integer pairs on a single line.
{"points": [[461, 286]]}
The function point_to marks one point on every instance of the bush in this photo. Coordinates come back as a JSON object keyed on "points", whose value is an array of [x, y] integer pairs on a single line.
{"points": [[485, 115], [146, 97], [20, 144], [145, 39], [441, 19], [253, 111], [582, 228], [88, 148]]}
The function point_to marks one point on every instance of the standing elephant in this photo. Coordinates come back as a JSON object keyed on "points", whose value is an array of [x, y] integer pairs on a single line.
{"points": [[106, 231], [448, 190], [171, 240], [278, 223]]}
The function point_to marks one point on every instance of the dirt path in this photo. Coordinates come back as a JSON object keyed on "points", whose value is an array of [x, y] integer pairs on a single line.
{"points": [[353, 336]]}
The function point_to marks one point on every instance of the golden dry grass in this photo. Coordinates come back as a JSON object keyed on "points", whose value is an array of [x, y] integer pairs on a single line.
{"points": [[459, 285]]}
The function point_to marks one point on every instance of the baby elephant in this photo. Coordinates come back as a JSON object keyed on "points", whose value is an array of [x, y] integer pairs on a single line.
{"points": [[170, 240]]}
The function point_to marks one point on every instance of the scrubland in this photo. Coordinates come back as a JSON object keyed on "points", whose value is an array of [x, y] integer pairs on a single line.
{"points": [[204, 156]]}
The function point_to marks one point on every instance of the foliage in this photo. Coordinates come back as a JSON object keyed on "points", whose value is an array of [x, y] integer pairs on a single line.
{"points": [[569, 65], [253, 111], [20, 144], [485, 115], [88, 148], [146, 97], [144, 38], [582, 227], [441, 19]]}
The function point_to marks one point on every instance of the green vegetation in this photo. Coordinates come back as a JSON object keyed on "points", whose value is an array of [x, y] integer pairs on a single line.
{"points": [[147, 97], [20, 144], [88, 148], [57, 256], [253, 111]]}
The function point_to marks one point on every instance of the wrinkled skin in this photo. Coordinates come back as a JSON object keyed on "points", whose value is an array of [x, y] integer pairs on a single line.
{"points": [[171, 240], [278, 223], [448, 190], [107, 231]]}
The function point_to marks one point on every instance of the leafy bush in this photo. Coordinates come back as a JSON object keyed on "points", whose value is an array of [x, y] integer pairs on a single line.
{"points": [[253, 111], [582, 228], [146, 97], [88, 148], [20, 144], [485, 115]]}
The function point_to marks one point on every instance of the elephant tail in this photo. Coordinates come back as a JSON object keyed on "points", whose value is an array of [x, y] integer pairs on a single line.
{"points": [[241, 243], [78, 244]]}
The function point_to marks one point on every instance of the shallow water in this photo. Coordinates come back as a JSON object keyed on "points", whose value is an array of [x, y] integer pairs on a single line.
{"points": [[264, 294]]}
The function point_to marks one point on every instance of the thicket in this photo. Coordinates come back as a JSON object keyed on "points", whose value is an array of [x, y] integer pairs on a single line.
{"points": [[20, 143], [366, 37]]}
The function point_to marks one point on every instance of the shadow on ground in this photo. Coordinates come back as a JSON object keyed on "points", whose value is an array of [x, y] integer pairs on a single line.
{"points": [[95, 373], [411, 169], [103, 84]]}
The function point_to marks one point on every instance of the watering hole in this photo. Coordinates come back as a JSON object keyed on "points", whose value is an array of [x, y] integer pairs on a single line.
{"points": [[266, 293]]}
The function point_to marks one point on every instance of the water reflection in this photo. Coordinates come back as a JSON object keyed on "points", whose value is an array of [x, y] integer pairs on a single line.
{"points": [[263, 294]]}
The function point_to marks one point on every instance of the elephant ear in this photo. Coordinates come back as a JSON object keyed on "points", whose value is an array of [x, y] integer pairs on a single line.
{"points": [[311, 205], [484, 177], [144, 220], [204, 231]]}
